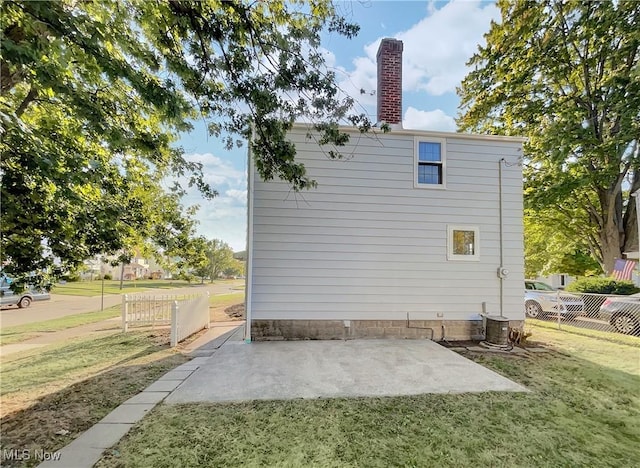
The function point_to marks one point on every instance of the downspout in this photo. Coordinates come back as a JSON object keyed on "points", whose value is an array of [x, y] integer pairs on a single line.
{"points": [[249, 273], [500, 270]]}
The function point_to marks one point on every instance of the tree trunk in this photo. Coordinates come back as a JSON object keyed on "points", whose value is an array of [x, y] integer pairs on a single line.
{"points": [[630, 227], [610, 242], [612, 230], [631, 216]]}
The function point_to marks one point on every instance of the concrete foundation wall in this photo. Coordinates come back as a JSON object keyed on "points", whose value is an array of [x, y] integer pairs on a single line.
{"points": [[454, 330]]}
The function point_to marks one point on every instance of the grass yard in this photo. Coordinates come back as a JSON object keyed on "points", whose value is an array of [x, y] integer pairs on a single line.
{"points": [[584, 410], [71, 386], [94, 288], [18, 333], [225, 300], [225, 307]]}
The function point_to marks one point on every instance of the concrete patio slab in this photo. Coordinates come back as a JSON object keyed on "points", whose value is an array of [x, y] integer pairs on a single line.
{"points": [[217, 335], [198, 361], [313, 369]]}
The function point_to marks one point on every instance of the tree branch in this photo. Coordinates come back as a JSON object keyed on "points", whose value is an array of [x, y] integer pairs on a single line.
{"points": [[31, 96]]}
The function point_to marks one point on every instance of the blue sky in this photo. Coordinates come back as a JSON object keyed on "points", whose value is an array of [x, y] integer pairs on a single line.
{"points": [[439, 37]]}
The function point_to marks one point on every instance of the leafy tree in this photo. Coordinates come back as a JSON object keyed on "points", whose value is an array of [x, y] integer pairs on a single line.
{"points": [[94, 94], [553, 246], [191, 258], [235, 268], [566, 75], [219, 258]]}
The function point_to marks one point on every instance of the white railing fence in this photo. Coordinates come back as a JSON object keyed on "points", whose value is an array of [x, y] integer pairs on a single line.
{"points": [[188, 317], [602, 312], [186, 314]]}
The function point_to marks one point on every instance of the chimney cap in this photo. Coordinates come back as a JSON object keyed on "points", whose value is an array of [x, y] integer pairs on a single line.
{"points": [[391, 44]]}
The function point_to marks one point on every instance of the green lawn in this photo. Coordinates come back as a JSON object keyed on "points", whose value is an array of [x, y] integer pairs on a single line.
{"points": [[94, 288], [226, 299], [24, 332], [71, 386], [584, 410]]}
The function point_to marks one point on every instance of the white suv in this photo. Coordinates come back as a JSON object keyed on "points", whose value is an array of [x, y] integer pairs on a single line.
{"points": [[540, 299]]}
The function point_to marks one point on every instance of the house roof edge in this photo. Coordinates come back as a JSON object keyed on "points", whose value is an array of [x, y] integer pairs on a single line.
{"points": [[426, 133]]}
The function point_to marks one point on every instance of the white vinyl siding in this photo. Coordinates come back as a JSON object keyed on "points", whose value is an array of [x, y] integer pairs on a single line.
{"points": [[365, 244]]}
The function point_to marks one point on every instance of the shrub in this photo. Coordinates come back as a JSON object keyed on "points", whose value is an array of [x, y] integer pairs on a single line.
{"points": [[598, 285], [107, 276], [72, 277]]}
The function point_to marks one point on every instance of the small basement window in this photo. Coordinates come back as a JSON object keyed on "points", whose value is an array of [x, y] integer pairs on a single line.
{"points": [[463, 243], [430, 163]]}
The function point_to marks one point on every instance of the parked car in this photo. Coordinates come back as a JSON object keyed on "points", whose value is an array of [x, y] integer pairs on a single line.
{"points": [[623, 313], [541, 299], [22, 300]]}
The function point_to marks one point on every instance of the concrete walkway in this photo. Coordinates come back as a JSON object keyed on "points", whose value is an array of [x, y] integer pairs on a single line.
{"points": [[105, 327], [87, 449]]}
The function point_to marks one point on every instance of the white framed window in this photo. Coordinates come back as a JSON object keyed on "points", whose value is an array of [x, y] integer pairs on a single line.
{"points": [[430, 163], [463, 243]]}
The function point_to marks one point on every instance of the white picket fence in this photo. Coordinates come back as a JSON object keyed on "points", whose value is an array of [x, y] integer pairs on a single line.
{"points": [[187, 314], [189, 317]]}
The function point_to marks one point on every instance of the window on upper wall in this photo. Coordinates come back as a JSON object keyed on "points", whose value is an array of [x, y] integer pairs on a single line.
{"points": [[430, 163], [463, 243]]}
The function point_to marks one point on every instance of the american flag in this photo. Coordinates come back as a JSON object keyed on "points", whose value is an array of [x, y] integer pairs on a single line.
{"points": [[622, 269]]}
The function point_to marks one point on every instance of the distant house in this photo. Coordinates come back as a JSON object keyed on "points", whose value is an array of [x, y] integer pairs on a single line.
{"points": [[137, 268], [414, 234], [557, 280]]}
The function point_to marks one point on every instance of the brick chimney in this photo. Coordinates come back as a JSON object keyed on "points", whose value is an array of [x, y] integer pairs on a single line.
{"points": [[389, 59]]}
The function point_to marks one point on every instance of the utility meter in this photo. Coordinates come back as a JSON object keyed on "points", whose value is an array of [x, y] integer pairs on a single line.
{"points": [[503, 272]]}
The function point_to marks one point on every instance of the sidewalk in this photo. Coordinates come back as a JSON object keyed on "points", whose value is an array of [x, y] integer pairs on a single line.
{"points": [[105, 327], [87, 448], [62, 305], [79, 304]]}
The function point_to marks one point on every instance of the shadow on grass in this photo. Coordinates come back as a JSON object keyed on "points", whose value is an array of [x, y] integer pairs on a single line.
{"points": [[54, 420], [579, 414]]}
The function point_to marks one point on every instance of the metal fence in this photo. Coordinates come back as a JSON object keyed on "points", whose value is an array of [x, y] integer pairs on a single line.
{"points": [[601, 312]]}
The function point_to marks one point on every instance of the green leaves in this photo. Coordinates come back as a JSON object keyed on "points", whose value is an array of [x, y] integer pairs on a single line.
{"points": [[565, 74], [95, 94]]}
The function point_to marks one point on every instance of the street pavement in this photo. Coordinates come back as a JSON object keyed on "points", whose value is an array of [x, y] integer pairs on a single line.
{"points": [[62, 305]]}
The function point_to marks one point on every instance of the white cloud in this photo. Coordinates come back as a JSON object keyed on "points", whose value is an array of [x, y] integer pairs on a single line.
{"points": [[216, 171], [436, 49], [435, 120], [362, 77], [238, 195], [224, 217]]}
